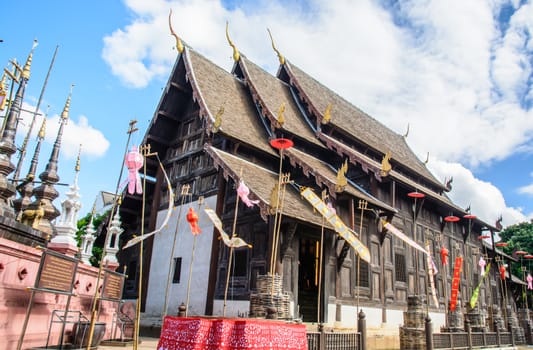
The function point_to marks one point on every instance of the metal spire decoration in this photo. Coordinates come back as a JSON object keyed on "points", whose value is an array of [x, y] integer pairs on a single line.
{"points": [[22, 149], [25, 188], [7, 141], [46, 193]]}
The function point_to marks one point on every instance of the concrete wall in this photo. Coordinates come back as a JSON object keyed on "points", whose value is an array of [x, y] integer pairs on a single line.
{"points": [[18, 270], [161, 261]]}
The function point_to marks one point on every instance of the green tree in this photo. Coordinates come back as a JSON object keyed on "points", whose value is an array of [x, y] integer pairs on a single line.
{"points": [[98, 222], [519, 237]]}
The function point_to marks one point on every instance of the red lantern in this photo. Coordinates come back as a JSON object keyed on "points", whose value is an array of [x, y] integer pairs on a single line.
{"points": [[192, 218], [502, 272], [484, 237], [469, 216], [501, 244], [444, 255], [521, 252]]}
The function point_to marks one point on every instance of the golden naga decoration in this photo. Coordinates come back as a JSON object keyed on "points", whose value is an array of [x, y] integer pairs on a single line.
{"points": [[280, 56], [341, 177], [386, 167], [427, 159], [179, 44], [327, 114], [218, 119], [236, 54], [281, 116]]}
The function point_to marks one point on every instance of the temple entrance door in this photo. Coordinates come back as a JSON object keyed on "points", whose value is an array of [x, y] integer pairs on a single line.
{"points": [[308, 278]]}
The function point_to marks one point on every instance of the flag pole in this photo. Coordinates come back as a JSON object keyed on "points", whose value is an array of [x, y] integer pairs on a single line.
{"points": [[22, 150], [184, 192], [324, 196], [230, 258], [145, 151], [200, 202], [363, 206], [131, 129]]}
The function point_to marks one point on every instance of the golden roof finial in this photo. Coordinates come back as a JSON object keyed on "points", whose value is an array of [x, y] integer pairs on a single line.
{"points": [[77, 168], [280, 56], [179, 44], [27, 66], [327, 114], [64, 114], [281, 117], [236, 54]]}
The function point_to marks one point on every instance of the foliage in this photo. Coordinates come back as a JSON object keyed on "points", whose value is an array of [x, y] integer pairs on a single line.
{"points": [[519, 237], [83, 223]]}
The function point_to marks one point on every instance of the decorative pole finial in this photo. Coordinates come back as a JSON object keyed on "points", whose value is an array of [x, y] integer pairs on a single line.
{"points": [[236, 54], [65, 113], [27, 66], [280, 56], [77, 167]]}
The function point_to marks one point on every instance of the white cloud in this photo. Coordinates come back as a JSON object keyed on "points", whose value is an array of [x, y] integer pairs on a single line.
{"points": [[444, 67], [485, 200], [94, 143]]}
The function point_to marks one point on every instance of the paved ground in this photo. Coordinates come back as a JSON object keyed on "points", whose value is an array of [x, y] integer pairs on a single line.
{"points": [[145, 344]]}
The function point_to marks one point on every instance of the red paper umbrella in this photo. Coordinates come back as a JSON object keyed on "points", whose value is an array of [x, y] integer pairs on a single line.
{"points": [[469, 216], [281, 143], [451, 218], [521, 252], [416, 195], [528, 256], [501, 244], [484, 237]]}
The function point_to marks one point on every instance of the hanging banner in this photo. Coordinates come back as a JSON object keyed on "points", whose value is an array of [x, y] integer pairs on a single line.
{"points": [[234, 242], [455, 283], [402, 236], [138, 239], [432, 272], [343, 230], [475, 294]]}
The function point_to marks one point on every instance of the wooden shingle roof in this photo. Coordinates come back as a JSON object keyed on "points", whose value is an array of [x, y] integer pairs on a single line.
{"points": [[214, 88], [324, 175], [272, 93], [261, 181], [353, 121]]}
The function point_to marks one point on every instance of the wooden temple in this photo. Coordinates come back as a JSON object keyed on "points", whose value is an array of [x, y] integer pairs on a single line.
{"points": [[213, 129]]}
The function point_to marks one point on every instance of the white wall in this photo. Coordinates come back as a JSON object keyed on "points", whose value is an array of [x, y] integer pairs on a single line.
{"points": [[161, 260]]}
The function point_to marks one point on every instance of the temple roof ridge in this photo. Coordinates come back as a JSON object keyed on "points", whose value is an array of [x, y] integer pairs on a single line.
{"points": [[351, 120]]}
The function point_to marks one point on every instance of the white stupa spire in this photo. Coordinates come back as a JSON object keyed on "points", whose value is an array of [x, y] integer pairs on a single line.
{"points": [[67, 224]]}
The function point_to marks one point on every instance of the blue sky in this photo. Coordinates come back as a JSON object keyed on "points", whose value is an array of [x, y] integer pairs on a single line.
{"points": [[459, 75]]}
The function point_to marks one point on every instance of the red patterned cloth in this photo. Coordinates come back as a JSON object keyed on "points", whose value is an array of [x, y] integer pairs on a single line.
{"points": [[195, 333]]}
